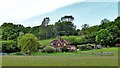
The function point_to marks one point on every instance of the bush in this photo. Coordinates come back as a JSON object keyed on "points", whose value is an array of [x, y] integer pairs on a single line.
{"points": [[79, 40], [85, 47], [64, 49], [88, 44], [69, 38], [18, 53], [9, 46], [49, 49], [65, 37]]}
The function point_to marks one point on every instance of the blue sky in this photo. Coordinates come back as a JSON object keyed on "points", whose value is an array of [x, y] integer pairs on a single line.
{"points": [[84, 11]]}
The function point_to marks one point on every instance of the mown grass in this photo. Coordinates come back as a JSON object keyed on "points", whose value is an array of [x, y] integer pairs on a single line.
{"points": [[113, 51], [59, 61], [64, 59]]}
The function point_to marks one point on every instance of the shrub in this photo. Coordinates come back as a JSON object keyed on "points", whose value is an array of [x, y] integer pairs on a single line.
{"points": [[49, 49], [88, 44], [18, 53], [9, 46], [79, 40], [64, 49], [65, 37], [69, 38], [85, 47]]}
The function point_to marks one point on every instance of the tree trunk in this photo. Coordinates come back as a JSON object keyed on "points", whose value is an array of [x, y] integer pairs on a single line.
{"points": [[29, 53]]}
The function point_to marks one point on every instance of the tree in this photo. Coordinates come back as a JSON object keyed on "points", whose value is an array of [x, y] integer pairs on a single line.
{"points": [[84, 26], [45, 21], [11, 31], [67, 18], [9, 46], [65, 28], [104, 37], [117, 21], [28, 43], [105, 23]]}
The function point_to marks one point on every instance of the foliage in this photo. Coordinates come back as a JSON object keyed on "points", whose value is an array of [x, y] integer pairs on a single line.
{"points": [[104, 37], [49, 49], [88, 44], [9, 46], [85, 47], [64, 49], [46, 42], [67, 18], [84, 26], [105, 23], [65, 28], [11, 31], [69, 38], [79, 39], [18, 53], [45, 21], [28, 43]]}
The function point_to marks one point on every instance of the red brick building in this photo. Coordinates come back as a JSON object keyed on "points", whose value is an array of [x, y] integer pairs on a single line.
{"points": [[59, 44]]}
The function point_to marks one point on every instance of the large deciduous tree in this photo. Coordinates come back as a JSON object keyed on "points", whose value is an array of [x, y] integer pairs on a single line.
{"points": [[104, 37], [65, 28], [28, 43]]}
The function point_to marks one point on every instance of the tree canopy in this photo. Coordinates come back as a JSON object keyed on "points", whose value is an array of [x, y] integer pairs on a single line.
{"points": [[104, 37], [107, 33], [28, 43]]}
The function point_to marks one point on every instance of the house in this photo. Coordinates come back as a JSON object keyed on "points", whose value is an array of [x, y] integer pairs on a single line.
{"points": [[117, 44], [60, 43]]}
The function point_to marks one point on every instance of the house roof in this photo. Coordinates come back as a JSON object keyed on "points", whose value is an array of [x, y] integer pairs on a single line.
{"points": [[60, 43]]}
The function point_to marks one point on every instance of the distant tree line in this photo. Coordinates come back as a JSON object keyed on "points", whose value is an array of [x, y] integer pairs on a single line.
{"points": [[64, 26], [106, 34]]}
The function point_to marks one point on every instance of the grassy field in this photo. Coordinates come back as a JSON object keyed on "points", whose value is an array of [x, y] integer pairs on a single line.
{"points": [[64, 59], [46, 41]]}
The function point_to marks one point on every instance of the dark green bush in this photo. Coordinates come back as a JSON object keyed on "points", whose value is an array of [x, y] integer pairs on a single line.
{"points": [[64, 49], [85, 47], [9, 46]]}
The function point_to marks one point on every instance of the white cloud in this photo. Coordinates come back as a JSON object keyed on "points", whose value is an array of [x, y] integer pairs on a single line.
{"points": [[18, 10]]}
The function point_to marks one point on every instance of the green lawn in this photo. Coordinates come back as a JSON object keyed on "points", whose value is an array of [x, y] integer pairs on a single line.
{"points": [[64, 59], [59, 61], [113, 50]]}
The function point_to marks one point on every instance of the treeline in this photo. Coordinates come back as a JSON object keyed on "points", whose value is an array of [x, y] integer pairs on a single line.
{"points": [[106, 34], [64, 26]]}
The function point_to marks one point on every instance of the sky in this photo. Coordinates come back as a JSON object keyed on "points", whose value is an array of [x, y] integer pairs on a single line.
{"points": [[32, 12]]}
